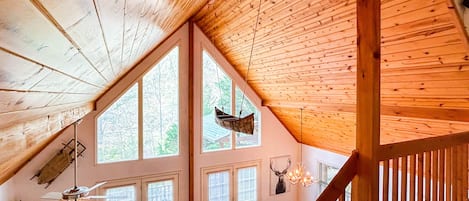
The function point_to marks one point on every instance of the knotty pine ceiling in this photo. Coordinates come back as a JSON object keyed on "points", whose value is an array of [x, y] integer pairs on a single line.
{"points": [[305, 57], [57, 57]]}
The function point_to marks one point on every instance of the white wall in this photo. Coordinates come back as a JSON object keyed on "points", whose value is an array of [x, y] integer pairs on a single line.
{"points": [[276, 140], [7, 191]]}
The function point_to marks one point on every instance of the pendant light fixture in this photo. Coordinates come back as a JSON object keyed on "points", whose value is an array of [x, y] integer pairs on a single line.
{"points": [[300, 174]]}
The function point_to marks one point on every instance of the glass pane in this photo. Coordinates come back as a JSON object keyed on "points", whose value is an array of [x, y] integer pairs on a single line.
{"points": [[244, 140], [122, 193], [216, 92], [219, 186], [117, 129], [160, 191], [161, 108], [247, 185]]}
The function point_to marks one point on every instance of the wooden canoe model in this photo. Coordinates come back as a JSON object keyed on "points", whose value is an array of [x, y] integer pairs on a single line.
{"points": [[238, 124]]}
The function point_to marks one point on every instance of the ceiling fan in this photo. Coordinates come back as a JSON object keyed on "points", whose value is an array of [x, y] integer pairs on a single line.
{"points": [[75, 192]]}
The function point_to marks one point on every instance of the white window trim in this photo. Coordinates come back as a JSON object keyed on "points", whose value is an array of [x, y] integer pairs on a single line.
{"points": [[233, 172], [141, 184]]}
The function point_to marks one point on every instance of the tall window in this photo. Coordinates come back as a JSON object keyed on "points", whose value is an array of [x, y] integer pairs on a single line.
{"points": [[218, 91], [151, 104], [151, 188], [219, 185]]}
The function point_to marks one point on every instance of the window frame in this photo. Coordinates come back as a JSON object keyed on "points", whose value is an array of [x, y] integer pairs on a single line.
{"points": [[139, 81], [233, 178], [141, 184], [234, 86]]}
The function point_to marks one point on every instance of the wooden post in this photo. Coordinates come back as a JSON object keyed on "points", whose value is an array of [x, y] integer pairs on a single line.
{"points": [[365, 184]]}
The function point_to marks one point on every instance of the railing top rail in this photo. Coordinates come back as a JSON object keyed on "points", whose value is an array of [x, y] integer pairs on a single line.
{"points": [[399, 149]]}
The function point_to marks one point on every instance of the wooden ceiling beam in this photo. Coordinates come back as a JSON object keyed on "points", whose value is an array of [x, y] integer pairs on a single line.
{"points": [[387, 110], [21, 142]]}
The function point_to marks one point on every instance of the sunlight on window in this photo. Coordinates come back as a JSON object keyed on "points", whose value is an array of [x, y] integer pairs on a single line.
{"points": [[122, 193], [244, 140], [161, 108], [219, 186], [247, 184], [160, 191], [117, 129], [216, 92]]}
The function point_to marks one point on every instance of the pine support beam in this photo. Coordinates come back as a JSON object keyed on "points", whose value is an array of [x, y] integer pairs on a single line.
{"points": [[365, 184]]}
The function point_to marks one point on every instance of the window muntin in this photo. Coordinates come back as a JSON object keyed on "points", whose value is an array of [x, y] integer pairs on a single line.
{"points": [[160, 191], [247, 184], [117, 129], [218, 90], [219, 186], [155, 97], [161, 108]]}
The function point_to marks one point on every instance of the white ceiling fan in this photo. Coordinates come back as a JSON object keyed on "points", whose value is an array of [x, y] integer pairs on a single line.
{"points": [[76, 192]]}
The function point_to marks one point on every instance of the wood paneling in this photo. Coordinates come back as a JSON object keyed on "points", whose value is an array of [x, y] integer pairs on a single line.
{"points": [[60, 55], [305, 57]]}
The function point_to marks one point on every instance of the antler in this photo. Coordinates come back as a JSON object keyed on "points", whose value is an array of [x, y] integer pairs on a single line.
{"points": [[283, 172], [288, 166], [274, 170]]}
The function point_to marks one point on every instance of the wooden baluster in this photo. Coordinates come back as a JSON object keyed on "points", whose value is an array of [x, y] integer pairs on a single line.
{"points": [[404, 178], [459, 173], [395, 179], [448, 177], [385, 180], [412, 178], [434, 175], [420, 177], [441, 174], [454, 176], [428, 177], [464, 172]]}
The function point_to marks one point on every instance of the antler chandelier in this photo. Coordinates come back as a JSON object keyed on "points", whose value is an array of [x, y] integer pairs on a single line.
{"points": [[299, 174]]}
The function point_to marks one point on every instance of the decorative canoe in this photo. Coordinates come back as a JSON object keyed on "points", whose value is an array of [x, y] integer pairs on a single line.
{"points": [[238, 124]]}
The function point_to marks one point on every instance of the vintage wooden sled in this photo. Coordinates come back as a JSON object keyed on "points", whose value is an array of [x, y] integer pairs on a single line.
{"points": [[238, 124], [56, 165]]}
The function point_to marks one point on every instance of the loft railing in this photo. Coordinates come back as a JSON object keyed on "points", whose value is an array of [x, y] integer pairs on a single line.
{"points": [[336, 188], [427, 169], [433, 168]]}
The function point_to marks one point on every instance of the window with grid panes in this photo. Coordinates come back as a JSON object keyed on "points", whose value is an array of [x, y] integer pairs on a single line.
{"points": [[326, 174], [232, 181]]}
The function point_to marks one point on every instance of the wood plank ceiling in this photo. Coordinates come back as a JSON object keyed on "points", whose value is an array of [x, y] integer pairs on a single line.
{"points": [[57, 57], [305, 57]]}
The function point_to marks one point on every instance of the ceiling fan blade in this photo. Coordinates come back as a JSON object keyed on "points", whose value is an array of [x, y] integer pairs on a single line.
{"points": [[52, 196], [96, 186]]}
